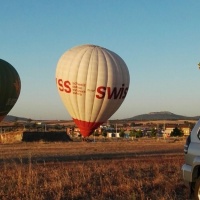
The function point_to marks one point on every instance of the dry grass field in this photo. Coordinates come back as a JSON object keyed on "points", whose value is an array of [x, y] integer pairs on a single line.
{"points": [[101, 170]]}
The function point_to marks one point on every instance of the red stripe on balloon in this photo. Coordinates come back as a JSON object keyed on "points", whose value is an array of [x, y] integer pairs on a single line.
{"points": [[87, 128]]}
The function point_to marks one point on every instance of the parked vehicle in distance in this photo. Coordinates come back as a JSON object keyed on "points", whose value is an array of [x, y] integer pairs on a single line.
{"points": [[191, 168]]}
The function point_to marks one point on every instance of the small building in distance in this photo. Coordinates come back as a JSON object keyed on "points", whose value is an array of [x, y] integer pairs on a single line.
{"points": [[170, 127]]}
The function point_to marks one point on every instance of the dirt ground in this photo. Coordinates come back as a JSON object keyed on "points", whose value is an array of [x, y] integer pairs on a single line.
{"points": [[104, 170]]}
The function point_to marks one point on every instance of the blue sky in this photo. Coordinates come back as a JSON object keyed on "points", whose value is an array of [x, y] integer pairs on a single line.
{"points": [[158, 40]]}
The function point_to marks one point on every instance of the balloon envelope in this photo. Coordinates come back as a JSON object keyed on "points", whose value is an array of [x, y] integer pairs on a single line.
{"points": [[92, 82], [10, 86]]}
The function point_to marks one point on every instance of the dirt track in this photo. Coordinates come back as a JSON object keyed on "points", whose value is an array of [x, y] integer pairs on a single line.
{"points": [[79, 151]]}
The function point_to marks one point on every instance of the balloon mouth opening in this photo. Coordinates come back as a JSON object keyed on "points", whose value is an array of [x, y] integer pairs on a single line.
{"points": [[86, 128]]}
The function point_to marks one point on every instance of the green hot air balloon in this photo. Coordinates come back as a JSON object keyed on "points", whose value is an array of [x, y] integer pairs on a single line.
{"points": [[10, 86]]}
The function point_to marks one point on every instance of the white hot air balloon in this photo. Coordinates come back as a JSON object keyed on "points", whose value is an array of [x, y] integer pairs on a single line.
{"points": [[92, 82]]}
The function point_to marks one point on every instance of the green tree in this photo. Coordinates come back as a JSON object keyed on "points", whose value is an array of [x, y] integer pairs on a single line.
{"points": [[139, 134], [133, 133], [153, 132], [121, 133], [177, 132]]}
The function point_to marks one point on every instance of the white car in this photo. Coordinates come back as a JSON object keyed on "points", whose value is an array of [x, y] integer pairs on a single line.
{"points": [[191, 168]]}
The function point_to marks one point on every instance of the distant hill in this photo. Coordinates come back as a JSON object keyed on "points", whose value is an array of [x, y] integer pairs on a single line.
{"points": [[11, 118], [164, 115]]}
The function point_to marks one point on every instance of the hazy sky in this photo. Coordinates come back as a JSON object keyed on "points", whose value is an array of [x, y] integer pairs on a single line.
{"points": [[158, 40]]}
